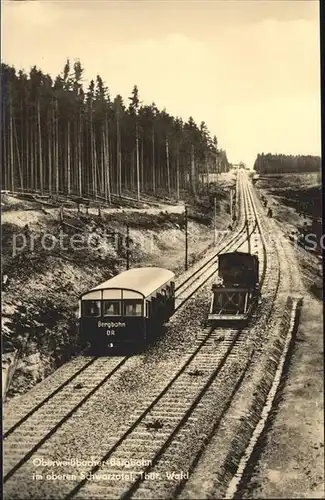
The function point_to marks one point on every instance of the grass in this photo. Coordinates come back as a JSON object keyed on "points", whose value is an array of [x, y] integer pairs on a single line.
{"points": [[295, 180]]}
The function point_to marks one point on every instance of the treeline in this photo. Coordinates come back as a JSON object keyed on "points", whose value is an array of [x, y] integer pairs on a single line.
{"points": [[279, 164], [58, 138]]}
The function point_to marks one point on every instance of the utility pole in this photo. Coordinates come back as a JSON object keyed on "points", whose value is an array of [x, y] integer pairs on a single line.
{"points": [[215, 220], [186, 240], [231, 193], [127, 248]]}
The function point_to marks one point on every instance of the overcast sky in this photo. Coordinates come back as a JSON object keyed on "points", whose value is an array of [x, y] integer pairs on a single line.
{"points": [[249, 69]]}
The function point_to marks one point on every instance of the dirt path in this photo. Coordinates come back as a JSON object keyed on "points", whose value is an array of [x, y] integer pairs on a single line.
{"points": [[291, 463]]}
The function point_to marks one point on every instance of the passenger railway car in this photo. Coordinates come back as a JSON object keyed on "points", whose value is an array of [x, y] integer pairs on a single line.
{"points": [[236, 293], [127, 309]]}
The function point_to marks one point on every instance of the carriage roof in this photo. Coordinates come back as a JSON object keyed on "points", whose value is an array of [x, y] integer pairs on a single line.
{"points": [[142, 281]]}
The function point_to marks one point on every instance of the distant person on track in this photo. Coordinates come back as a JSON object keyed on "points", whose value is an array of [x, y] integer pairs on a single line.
{"points": [[26, 231], [5, 282]]}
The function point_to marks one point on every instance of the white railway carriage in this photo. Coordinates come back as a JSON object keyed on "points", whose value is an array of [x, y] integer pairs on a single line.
{"points": [[127, 309]]}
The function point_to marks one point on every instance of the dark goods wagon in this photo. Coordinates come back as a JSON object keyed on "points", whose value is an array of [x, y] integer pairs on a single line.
{"points": [[127, 310], [236, 293]]}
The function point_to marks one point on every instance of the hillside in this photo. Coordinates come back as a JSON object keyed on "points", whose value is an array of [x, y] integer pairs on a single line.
{"points": [[50, 260], [296, 203]]}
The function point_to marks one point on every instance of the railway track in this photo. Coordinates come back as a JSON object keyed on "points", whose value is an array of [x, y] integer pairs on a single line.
{"points": [[238, 436], [213, 370], [79, 369], [201, 360], [163, 425]]}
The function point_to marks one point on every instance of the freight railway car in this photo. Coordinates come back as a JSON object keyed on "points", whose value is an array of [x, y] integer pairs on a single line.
{"points": [[127, 309], [236, 293]]}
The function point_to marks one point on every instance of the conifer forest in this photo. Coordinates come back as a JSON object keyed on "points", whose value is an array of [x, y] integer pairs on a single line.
{"points": [[281, 164], [59, 138]]}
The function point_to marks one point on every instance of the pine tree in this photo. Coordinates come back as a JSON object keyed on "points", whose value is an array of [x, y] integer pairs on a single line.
{"points": [[134, 110]]}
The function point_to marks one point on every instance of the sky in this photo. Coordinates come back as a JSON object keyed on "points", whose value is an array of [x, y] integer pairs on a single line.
{"points": [[249, 68]]}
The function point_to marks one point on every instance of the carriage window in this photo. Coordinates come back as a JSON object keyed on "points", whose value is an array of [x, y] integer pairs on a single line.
{"points": [[111, 308], [133, 308], [91, 308]]}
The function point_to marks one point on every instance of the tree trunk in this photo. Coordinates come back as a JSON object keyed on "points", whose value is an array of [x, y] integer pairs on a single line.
{"points": [[5, 162], [118, 155], [103, 160], [167, 166], [92, 154], [36, 165], [193, 179], [27, 154], [141, 169], [40, 156], [153, 163], [56, 148], [158, 183], [207, 168], [102, 163], [107, 169], [69, 159], [18, 161], [12, 175], [137, 153], [22, 148], [50, 129], [32, 163], [79, 158], [132, 170], [95, 166], [177, 174]]}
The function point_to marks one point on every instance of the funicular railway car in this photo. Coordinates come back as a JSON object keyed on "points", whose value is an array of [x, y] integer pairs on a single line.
{"points": [[236, 293], [126, 310]]}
